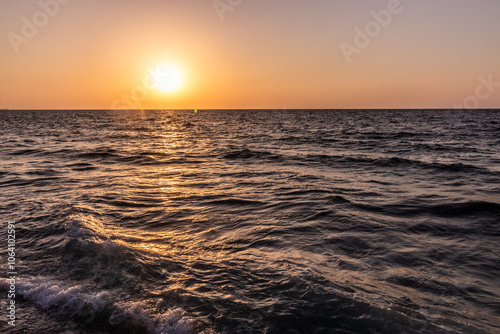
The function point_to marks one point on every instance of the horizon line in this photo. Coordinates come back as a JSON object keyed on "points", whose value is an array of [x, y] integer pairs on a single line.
{"points": [[250, 109]]}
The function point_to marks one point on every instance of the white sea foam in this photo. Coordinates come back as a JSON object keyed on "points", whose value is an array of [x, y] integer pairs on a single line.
{"points": [[76, 232], [72, 300], [174, 322], [81, 304]]}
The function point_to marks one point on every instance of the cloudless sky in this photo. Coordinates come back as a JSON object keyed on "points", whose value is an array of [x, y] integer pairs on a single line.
{"points": [[260, 54]]}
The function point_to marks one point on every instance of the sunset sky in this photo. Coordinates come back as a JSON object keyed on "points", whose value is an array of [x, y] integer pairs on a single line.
{"points": [[100, 54]]}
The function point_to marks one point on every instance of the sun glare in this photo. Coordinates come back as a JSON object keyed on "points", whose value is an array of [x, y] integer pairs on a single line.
{"points": [[167, 78]]}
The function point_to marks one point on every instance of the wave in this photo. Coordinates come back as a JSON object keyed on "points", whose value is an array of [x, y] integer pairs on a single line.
{"points": [[100, 153], [146, 158], [26, 152], [374, 135], [246, 153], [44, 172], [393, 162], [103, 310], [36, 182], [235, 202], [448, 210], [465, 209]]}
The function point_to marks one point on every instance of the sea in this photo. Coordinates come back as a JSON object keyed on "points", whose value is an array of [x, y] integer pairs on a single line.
{"points": [[251, 221]]}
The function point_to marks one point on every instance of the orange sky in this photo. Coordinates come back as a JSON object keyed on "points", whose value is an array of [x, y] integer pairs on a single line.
{"points": [[258, 54]]}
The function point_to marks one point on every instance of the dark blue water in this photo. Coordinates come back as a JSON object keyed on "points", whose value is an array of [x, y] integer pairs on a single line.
{"points": [[253, 221]]}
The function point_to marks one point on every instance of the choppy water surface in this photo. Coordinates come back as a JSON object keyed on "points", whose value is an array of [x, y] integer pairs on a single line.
{"points": [[254, 221]]}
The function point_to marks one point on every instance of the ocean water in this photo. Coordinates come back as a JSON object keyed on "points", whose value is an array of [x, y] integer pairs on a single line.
{"points": [[271, 221]]}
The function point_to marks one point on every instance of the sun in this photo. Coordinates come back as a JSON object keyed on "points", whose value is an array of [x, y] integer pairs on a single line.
{"points": [[167, 78]]}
